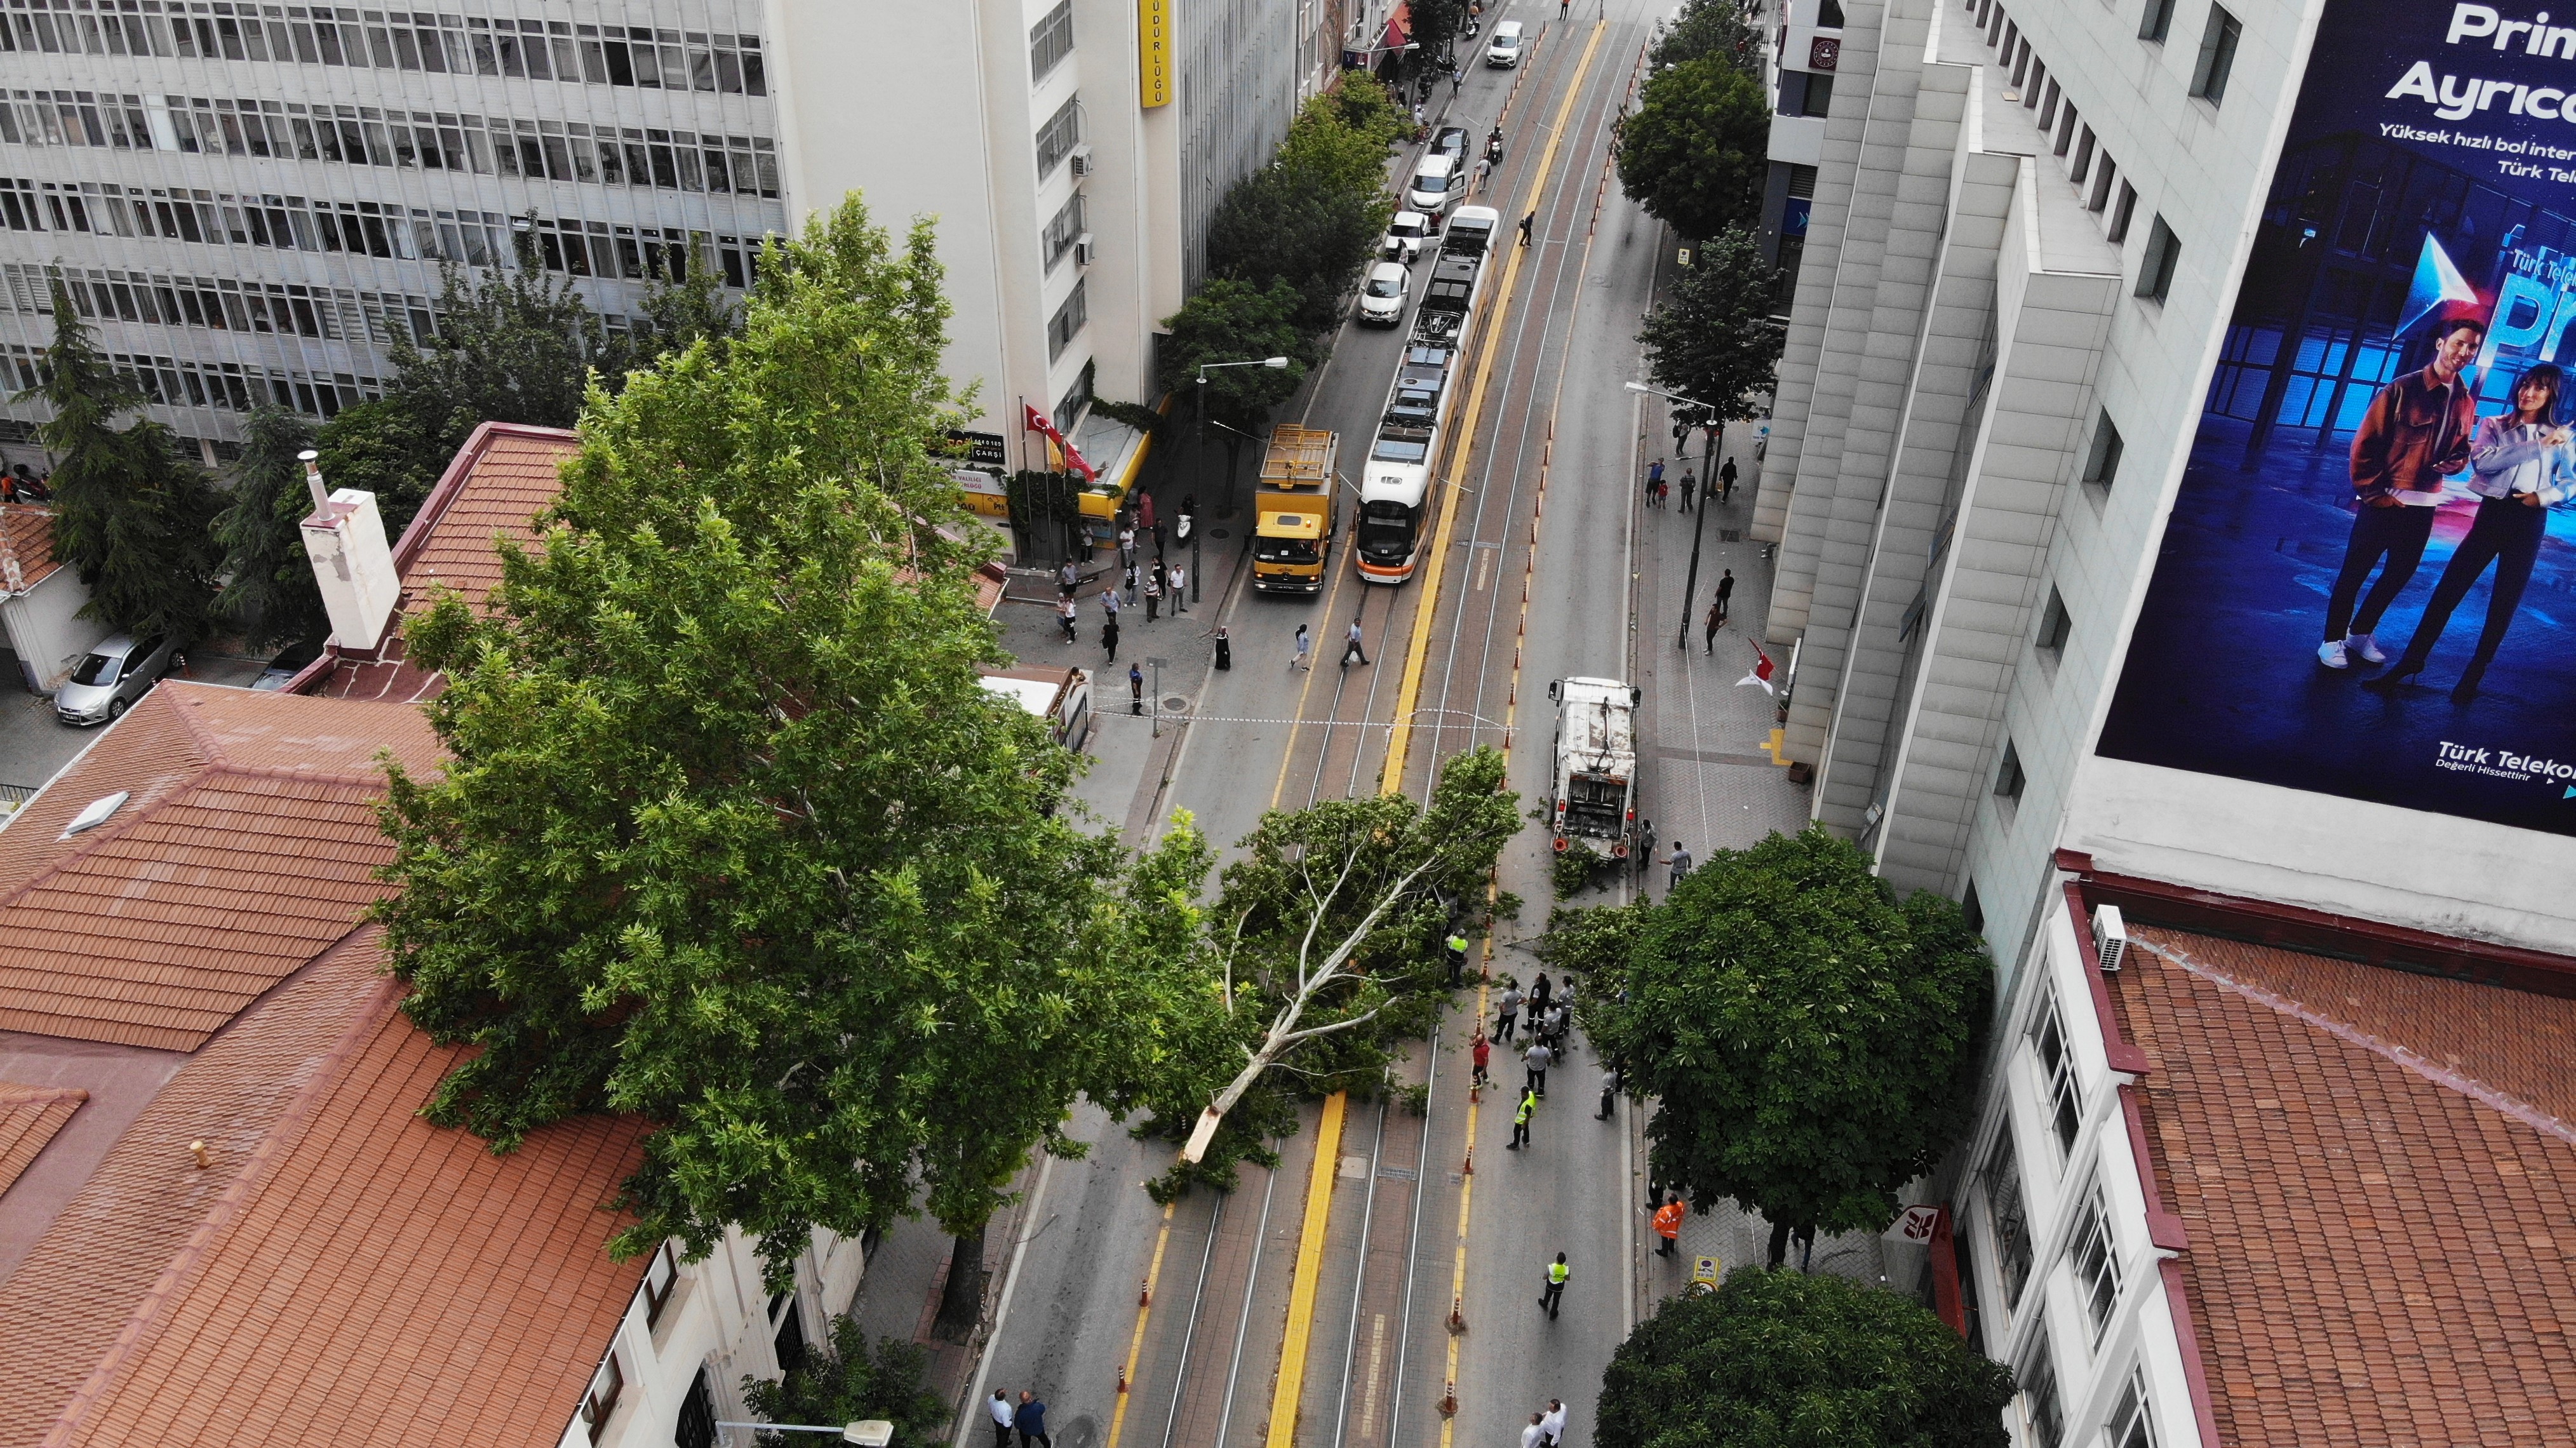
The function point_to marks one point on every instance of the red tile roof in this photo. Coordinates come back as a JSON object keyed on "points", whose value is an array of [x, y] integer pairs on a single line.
{"points": [[27, 536], [249, 849], [2377, 1175], [29, 1117], [502, 478]]}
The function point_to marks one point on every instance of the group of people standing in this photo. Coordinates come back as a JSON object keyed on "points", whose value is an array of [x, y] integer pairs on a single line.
{"points": [[1027, 1418], [1659, 489], [1153, 581]]}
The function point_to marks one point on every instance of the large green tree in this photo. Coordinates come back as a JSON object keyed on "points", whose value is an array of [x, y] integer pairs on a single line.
{"points": [[1786, 1360], [1695, 154], [731, 837], [269, 592], [847, 1381], [1713, 339], [1234, 321], [131, 514], [1711, 27], [1313, 216], [1810, 1040]]}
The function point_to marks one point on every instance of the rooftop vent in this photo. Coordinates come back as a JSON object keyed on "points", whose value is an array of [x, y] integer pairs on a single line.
{"points": [[97, 813]]}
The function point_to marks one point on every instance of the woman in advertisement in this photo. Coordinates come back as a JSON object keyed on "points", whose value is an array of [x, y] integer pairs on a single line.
{"points": [[2519, 465]]}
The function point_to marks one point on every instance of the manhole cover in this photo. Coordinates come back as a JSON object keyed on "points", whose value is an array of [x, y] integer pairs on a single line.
{"points": [[1729, 535], [1175, 704], [1217, 533]]}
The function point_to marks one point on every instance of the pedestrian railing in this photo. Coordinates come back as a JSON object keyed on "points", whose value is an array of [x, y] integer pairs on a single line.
{"points": [[14, 795]]}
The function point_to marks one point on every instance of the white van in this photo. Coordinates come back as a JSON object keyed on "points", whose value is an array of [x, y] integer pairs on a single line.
{"points": [[1504, 50], [1061, 696], [1436, 183]]}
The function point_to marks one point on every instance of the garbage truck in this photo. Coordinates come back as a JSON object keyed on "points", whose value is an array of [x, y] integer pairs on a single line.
{"points": [[1593, 795]]}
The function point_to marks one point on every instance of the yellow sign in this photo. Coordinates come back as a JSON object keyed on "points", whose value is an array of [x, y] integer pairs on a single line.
{"points": [[1153, 53], [1705, 1270]]}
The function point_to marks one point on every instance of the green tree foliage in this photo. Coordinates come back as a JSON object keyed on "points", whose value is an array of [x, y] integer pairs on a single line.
{"points": [[131, 515], [1437, 25], [732, 838], [1812, 1041], [1313, 216], [845, 1382], [1695, 153], [1235, 321], [1362, 103], [1328, 932], [1713, 338], [680, 312], [1786, 1360], [1711, 28], [1595, 939], [269, 593]]}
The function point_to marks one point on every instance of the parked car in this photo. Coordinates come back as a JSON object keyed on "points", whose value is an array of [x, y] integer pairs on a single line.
{"points": [[1449, 141], [111, 677], [1504, 50], [1382, 295], [1404, 237], [289, 663], [1436, 182]]}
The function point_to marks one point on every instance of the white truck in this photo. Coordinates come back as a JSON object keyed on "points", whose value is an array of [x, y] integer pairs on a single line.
{"points": [[1594, 792]]}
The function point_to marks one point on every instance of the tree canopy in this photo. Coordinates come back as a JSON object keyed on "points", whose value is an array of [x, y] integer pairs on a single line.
{"points": [[1696, 152], [1787, 1360], [845, 1382], [1713, 339], [1233, 321], [1313, 216], [1711, 28], [269, 592], [131, 515], [732, 838], [1811, 1041]]}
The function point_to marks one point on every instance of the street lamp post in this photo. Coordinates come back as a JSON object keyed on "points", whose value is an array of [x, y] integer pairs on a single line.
{"points": [[1204, 369], [1690, 584], [867, 1432]]}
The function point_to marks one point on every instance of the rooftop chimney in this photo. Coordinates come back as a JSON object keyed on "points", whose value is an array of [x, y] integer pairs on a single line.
{"points": [[345, 538]]}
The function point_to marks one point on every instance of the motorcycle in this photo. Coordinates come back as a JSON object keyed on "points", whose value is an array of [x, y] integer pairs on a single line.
{"points": [[1494, 149]]}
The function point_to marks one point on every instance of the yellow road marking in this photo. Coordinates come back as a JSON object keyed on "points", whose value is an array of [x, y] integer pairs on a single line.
{"points": [[1772, 746], [1310, 1270], [1144, 1310], [1418, 652]]}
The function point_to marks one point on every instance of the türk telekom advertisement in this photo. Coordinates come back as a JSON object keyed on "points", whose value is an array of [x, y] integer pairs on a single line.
{"points": [[2365, 586]]}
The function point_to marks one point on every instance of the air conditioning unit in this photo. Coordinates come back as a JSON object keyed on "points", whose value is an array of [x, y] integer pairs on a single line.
{"points": [[2110, 938], [1081, 158], [1082, 249]]}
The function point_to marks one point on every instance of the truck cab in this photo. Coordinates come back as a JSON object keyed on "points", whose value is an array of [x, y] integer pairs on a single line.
{"points": [[1593, 791], [1296, 512]]}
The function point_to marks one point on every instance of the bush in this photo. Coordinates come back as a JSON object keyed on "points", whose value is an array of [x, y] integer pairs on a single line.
{"points": [[1575, 867]]}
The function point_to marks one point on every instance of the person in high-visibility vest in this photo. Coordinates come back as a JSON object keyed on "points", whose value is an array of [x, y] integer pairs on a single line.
{"points": [[1457, 956], [1668, 1225], [1557, 1272], [1521, 1120]]}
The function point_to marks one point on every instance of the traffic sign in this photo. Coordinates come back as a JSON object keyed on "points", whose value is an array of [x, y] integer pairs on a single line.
{"points": [[1704, 1269]]}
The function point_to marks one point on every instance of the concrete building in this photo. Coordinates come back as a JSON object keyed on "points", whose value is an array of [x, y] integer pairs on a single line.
{"points": [[42, 633], [252, 202]]}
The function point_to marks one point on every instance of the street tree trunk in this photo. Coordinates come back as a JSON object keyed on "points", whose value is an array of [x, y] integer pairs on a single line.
{"points": [[961, 1302]]}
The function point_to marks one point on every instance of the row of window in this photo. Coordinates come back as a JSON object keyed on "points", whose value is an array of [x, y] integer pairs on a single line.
{"points": [[631, 253], [1050, 41], [398, 40], [230, 386], [330, 314], [365, 136]]}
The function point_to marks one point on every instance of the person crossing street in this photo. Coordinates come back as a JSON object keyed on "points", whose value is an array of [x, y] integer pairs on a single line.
{"points": [[1668, 1225], [1554, 1296], [1352, 653], [1521, 1120], [1304, 646]]}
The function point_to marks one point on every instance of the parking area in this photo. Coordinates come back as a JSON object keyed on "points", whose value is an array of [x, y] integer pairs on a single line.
{"points": [[34, 745]]}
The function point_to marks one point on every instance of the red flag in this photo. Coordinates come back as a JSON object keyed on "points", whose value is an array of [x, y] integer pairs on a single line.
{"points": [[1039, 422], [1761, 676]]}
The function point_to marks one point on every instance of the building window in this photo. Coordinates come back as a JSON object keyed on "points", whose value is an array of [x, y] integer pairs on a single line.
{"points": [[601, 1400], [1068, 408], [789, 1339], [2120, 214], [2083, 158], [2048, 110], [2041, 1412], [697, 1425], [2054, 624], [2011, 1221], [2065, 131], [2157, 21], [1057, 138], [659, 1279], [2131, 1427], [2097, 1265], [1061, 231], [1972, 910], [2217, 56], [2156, 273], [1050, 41], [2009, 777], [2057, 1065], [1067, 321], [2102, 460], [2102, 176]]}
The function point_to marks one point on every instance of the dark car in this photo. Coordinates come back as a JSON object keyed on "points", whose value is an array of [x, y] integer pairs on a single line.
{"points": [[283, 669], [1450, 141]]}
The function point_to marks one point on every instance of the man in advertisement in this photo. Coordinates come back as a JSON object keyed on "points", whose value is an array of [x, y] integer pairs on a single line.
{"points": [[2416, 433]]}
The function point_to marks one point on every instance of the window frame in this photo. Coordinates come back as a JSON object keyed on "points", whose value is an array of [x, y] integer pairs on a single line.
{"points": [[2043, 1411], [2219, 42], [2063, 1092], [597, 1407], [2132, 1423], [2157, 265], [2010, 777], [1060, 333], [1060, 233], [2008, 1218], [2055, 623], [2093, 1255], [1057, 138], [657, 1296], [2155, 24], [1050, 41], [2102, 455]]}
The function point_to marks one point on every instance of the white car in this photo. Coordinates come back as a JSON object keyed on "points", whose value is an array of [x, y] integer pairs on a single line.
{"points": [[1504, 50], [1436, 183], [1382, 295], [1404, 237]]}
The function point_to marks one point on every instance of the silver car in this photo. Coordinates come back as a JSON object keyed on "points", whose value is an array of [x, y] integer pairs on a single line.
{"points": [[111, 678]]}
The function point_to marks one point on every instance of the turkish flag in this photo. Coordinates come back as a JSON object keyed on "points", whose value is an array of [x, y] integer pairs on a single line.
{"points": [[1761, 676]]}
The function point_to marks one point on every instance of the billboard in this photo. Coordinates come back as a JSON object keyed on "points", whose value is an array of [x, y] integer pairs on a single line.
{"points": [[2367, 586]]}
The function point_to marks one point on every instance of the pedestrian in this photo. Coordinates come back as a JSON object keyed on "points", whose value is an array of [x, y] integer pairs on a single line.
{"points": [[1509, 1004], [1609, 1093], [1726, 481], [1161, 536], [1716, 621], [1553, 1420], [1065, 615], [1305, 646], [1725, 593], [1136, 690], [1457, 80], [1457, 955], [1127, 545], [1031, 1419], [1540, 990], [1521, 1120], [1654, 478], [8, 488], [1527, 222], [1352, 653], [1003, 1419], [1068, 578], [1680, 860], [1131, 585], [1645, 851], [1663, 493], [1417, 115], [1224, 649], [1560, 1017], [1562, 6], [1533, 1436], [1109, 639], [1690, 490], [1145, 512], [1484, 168], [1480, 1051], [1551, 1299], [1668, 1225], [1153, 592], [1109, 599], [1180, 589], [1535, 1062]]}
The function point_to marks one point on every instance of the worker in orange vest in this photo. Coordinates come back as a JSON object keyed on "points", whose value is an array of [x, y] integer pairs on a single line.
{"points": [[1668, 1225]]}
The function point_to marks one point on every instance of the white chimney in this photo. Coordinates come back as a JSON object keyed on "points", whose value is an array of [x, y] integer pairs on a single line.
{"points": [[345, 538]]}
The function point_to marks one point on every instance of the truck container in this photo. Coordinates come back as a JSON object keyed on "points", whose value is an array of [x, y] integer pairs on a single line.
{"points": [[1296, 510]]}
